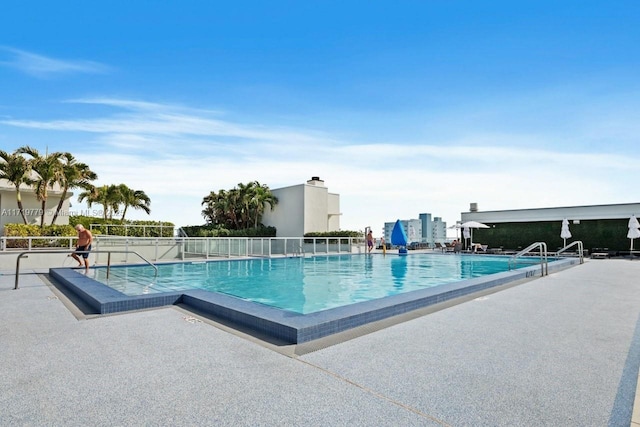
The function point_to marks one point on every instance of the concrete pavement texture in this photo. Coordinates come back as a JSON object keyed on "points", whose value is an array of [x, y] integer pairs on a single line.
{"points": [[562, 350]]}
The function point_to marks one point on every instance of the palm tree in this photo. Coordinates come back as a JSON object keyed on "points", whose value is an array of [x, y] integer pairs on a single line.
{"points": [[239, 208], [15, 169], [91, 195], [209, 211], [113, 199], [218, 209], [49, 170], [74, 175], [107, 195], [136, 199], [245, 194], [261, 196]]}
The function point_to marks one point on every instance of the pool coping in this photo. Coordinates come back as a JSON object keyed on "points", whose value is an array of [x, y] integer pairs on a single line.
{"points": [[282, 325]]}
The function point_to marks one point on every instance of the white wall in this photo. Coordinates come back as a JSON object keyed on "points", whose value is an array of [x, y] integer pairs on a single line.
{"points": [[333, 204], [556, 214], [288, 215], [303, 208], [316, 208], [9, 213]]}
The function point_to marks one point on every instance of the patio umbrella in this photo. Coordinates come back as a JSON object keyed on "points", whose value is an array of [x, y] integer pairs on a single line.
{"points": [[565, 233], [466, 233], [634, 229], [470, 225]]}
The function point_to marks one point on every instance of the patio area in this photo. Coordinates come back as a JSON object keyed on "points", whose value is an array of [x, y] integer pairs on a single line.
{"points": [[559, 350]]}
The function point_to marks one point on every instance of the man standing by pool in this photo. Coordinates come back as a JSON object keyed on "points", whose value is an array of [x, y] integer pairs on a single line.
{"points": [[370, 240], [84, 245]]}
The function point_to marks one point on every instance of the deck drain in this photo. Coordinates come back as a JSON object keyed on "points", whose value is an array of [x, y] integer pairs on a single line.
{"points": [[52, 297], [191, 319]]}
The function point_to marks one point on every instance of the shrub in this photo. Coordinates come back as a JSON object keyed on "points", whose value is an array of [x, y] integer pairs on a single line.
{"points": [[115, 227], [218, 231], [343, 233], [32, 230]]}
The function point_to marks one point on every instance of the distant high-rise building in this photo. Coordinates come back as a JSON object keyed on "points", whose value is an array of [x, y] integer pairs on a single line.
{"points": [[422, 230]]}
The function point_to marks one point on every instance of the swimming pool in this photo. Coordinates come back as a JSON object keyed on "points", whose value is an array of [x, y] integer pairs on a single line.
{"points": [[310, 322], [305, 285]]}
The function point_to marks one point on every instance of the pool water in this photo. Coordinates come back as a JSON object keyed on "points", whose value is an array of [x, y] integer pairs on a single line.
{"points": [[305, 285]]}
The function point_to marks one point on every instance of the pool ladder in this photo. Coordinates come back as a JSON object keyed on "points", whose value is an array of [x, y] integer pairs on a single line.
{"points": [[577, 243], [298, 252], [542, 246], [22, 254]]}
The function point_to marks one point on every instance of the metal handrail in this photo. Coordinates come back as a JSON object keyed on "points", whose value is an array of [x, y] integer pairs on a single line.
{"points": [[580, 249], [21, 254], [543, 256]]}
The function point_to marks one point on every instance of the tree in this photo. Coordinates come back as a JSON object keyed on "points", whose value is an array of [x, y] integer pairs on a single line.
{"points": [[218, 209], [239, 208], [106, 195], [260, 197], [15, 169], [74, 175], [91, 195], [49, 170], [136, 199]]}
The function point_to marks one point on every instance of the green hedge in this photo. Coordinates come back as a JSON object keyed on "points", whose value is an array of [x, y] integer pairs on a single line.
{"points": [[345, 233], [216, 231], [111, 227], [31, 230], [602, 233]]}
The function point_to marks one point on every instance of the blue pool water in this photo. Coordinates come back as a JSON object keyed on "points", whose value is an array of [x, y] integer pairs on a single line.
{"points": [[305, 285]]}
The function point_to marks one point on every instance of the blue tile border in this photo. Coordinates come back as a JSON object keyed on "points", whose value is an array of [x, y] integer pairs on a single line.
{"points": [[284, 325]]}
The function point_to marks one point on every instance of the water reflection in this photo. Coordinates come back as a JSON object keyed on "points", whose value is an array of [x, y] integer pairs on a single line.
{"points": [[399, 270]]}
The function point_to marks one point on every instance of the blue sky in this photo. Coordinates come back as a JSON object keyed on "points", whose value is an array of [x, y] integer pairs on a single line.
{"points": [[400, 107]]}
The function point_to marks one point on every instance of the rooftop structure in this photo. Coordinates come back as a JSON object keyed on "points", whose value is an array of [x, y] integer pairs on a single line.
{"points": [[602, 227], [304, 208]]}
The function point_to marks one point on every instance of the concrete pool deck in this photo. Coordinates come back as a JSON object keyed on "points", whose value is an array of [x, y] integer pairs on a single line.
{"points": [[559, 350]]}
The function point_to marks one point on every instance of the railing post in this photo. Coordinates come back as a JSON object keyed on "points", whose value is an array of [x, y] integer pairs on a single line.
{"points": [[17, 270], [108, 264]]}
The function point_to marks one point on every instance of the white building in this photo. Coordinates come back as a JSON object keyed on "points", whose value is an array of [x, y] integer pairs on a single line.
{"points": [[10, 214], [601, 228], [304, 208], [573, 213]]}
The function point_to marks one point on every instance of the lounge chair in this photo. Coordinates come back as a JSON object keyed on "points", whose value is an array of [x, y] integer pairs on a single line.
{"points": [[477, 248]]}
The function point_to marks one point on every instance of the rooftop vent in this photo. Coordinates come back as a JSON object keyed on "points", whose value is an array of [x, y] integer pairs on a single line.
{"points": [[315, 180], [473, 207]]}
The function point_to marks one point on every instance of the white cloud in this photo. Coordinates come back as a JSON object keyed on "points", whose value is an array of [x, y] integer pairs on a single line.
{"points": [[42, 66], [169, 121], [178, 155]]}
